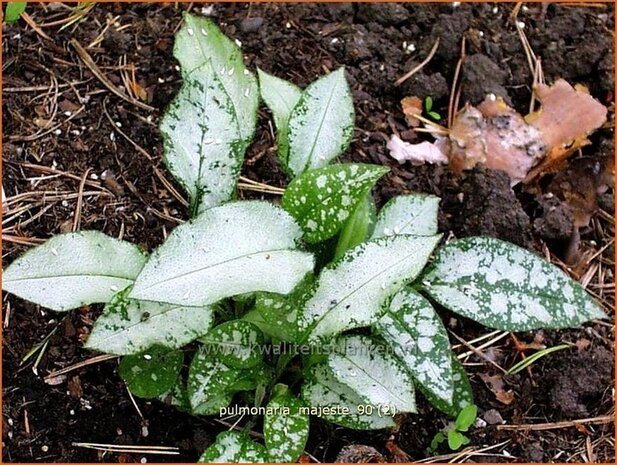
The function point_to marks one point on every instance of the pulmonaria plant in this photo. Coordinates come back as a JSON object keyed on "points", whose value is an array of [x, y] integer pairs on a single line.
{"points": [[317, 306]]}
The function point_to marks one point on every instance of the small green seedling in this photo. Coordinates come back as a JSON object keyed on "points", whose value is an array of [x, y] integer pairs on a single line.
{"points": [[428, 107], [454, 433], [317, 305], [13, 11]]}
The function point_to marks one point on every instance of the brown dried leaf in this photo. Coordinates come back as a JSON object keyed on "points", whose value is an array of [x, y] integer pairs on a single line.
{"points": [[497, 386], [567, 116], [412, 106]]}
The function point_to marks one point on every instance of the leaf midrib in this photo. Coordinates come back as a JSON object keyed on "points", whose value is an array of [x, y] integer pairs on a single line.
{"points": [[314, 325], [363, 370], [321, 122], [214, 265]]}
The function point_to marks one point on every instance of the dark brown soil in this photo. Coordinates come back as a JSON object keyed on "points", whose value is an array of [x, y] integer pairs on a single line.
{"points": [[298, 42]]}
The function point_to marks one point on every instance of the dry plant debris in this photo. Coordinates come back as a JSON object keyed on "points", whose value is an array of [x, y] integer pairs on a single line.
{"points": [[499, 137]]}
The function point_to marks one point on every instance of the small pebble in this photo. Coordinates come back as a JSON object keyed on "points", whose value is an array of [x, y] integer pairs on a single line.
{"points": [[493, 417], [45, 448], [251, 24]]}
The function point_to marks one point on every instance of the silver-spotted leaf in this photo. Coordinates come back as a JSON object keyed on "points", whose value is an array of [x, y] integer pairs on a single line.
{"points": [[351, 292], [321, 124], [462, 393], [286, 427], [233, 249], [408, 214], [129, 326], [321, 200], [373, 373], [280, 312], [338, 403], [234, 447], [198, 41], [203, 146], [281, 96], [209, 384], [75, 269], [152, 372], [504, 286], [418, 337], [237, 343]]}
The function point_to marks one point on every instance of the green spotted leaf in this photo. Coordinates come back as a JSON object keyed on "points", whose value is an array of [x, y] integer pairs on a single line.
{"points": [[72, 270], [209, 384], [177, 396], [506, 287], [198, 41], [203, 146], [351, 292], [418, 337], [234, 447], [237, 343], [338, 403], [281, 97], [129, 326], [321, 200], [321, 124], [152, 372], [373, 373], [408, 214], [286, 426], [233, 249], [280, 312]]}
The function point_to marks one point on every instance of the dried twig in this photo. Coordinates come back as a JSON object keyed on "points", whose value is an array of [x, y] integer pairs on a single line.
{"points": [[561, 424], [89, 62], [428, 58], [80, 199], [78, 365], [157, 450]]}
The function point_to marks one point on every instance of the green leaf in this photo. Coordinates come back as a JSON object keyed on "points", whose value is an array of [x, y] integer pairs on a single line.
{"points": [[520, 366], [418, 337], [437, 440], [466, 417], [433, 114], [408, 214], [236, 343], [456, 440], [286, 428], [321, 124], [358, 227], [232, 249], [13, 11], [506, 287], [463, 395], [199, 41], [321, 200], [428, 103], [177, 396], [209, 384], [350, 293], [338, 403], [250, 378], [203, 147], [234, 447], [151, 373], [129, 326], [72, 270], [281, 97], [373, 373], [281, 311]]}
